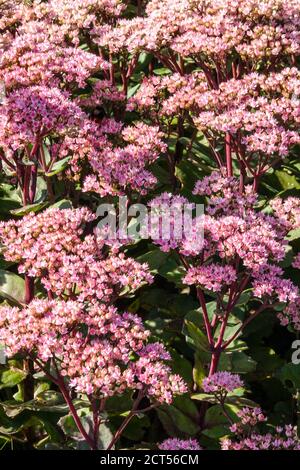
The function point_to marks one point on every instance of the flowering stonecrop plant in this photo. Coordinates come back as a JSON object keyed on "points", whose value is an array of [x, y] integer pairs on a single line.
{"points": [[91, 347], [179, 338]]}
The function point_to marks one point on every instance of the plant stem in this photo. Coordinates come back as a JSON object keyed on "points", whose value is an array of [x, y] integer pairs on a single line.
{"points": [[73, 412], [29, 289], [127, 419], [228, 155]]}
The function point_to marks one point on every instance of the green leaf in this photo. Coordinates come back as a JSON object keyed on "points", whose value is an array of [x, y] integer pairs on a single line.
{"points": [[132, 90], [63, 204], [289, 375], [216, 432], [198, 370], [105, 436], [286, 180], [240, 401], [43, 387], [12, 287], [48, 402], [198, 337], [136, 428], [294, 234], [238, 362], [204, 397], [161, 71], [172, 271], [9, 426], [181, 366], [8, 205], [288, 258], [58, 167], [215, 415], [176, 423], [11, 377], [244, 297], [29, 208], [154, 258]]}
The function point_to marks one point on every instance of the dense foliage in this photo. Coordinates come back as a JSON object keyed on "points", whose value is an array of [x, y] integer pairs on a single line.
{"points": [[158, 342]]}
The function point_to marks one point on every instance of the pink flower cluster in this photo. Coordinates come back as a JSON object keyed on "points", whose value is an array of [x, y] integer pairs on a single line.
{"points": [[179, 444], [51, 246], [213, 277], [224, 195], [233, 230], [40, 56], [221, 383], [260, 111], [288, 210], [30, 114], [115, 168], [249, 418], [166, 223], [91, 343], [296, 262], [41, 64], [283, 439], [232, 72], [252, 236], [40, 236], [248, 438], [255, 30], [98, 362], [77, 18]]}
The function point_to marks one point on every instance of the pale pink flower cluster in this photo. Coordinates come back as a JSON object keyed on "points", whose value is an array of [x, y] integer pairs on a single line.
{"points": [[260, 111], [252, 236], [40, 56], [11, 13], [221, 383], [78, 18], [114, 168], [103, 93], [41, 59], [51, 246], [224, 195], [249, 417], [268, 281], [47, 234], [151, 374], [167, 95], [179, 444], [98, 362], [284, 438], [248, 438], [233, 230], [255, 30], [166, 223], [263, 108], [126, 166], [30, 114], [288, 210], [213, 277]]}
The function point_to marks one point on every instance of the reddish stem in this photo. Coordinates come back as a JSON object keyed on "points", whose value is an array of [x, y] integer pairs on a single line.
{"points": [[228, 155], [73, 412], [127, 420], [33, 181]]}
